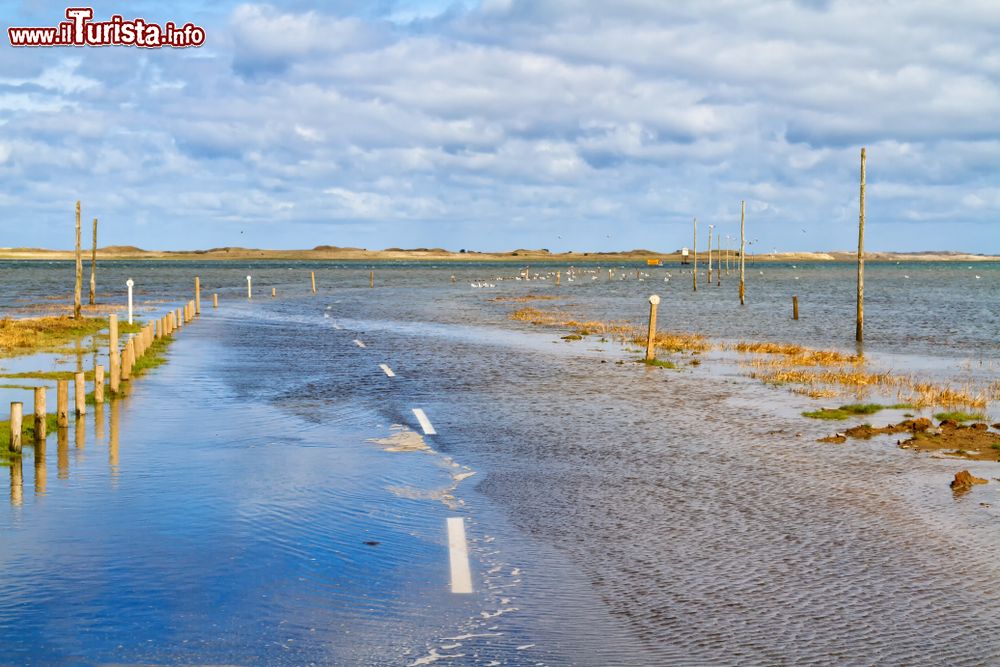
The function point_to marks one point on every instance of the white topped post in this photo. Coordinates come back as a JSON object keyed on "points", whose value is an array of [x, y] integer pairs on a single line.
{"points": [[130, 283]]}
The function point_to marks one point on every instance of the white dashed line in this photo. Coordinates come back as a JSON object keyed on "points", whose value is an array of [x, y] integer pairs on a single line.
{"points": [[358, 343], [425, 423], [461, 578], [388, 371]]}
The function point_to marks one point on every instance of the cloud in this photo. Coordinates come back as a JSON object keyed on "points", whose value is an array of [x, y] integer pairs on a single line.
{"points": [[611, 124]]}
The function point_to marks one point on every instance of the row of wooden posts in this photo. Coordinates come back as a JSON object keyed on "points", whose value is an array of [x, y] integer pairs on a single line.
{"points": [[121, 364]]}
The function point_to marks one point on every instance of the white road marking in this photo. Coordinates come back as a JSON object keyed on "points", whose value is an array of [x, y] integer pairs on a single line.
{"points": [[425, 423], [461, 578], [358, 343], [388, 371]]}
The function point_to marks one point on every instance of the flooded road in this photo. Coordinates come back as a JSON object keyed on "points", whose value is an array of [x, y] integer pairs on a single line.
{"points": [[268, 496]]}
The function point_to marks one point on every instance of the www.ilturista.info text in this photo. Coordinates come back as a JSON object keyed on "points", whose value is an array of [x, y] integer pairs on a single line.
{"points": [[80, 30]]}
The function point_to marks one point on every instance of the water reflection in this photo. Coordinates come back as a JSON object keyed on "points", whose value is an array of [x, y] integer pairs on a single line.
{"points": [[113, 440], [41, 474], [99, 422], [16, 482], [62, 456]]}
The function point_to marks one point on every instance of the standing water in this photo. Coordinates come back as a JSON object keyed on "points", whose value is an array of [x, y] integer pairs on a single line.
{"points": [[269, 497]]}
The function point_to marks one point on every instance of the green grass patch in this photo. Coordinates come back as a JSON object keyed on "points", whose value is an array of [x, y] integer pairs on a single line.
{"points": [[27, 430], [845, 411], [48, 375], [959, 416], [659, 363], [573, 337]]}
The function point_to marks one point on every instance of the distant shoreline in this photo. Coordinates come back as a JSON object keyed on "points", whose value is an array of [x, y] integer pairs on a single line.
{"points": [[441, 255]]}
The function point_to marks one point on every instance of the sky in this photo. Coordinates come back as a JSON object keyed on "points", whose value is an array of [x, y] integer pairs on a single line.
{"points": [[504, 124]]}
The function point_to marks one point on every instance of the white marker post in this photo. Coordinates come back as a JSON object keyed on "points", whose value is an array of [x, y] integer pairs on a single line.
{"points": [[130, 283], [249, 288]]}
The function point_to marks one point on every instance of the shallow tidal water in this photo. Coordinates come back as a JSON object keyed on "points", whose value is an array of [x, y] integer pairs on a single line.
{"points": [[234, 509]]}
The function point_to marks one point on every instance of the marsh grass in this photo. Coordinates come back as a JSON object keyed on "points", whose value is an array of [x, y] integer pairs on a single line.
{"points": [[959, 416], [659, 363], [40, 334], [854, 409], [622, 331]]}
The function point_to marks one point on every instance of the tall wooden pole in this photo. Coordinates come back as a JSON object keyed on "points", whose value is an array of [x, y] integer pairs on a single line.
{"points": [[695, 251], [79, 267], [718, 252], [743, 247], [710, 228], [197, 295], [93, 267], [859, 331]]}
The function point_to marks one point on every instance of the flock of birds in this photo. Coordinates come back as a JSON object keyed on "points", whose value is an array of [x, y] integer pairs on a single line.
{"points": [[574, 275]]}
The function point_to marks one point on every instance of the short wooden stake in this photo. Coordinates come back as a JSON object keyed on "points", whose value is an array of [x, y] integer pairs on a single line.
{"points": [[249, 288], [215, 301], [795, 307], [558, 277], [197, 295], [80, 394], [62, 403], [371, 279], [274, 292], [654, 300], [710, 228], [16, 414], [179, 318], [128, 358], [312, 277], [98, 384], [41, 423]]}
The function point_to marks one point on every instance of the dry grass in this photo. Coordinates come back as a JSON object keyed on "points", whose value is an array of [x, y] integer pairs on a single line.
{"points": [[624, 331], [796, 355], [524, 299], [28, 335]]}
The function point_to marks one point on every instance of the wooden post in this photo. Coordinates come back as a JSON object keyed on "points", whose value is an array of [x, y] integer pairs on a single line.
{"points": [[558, 277], [718, 253], [79, 267], [743, 245], [178, 319], [654, 300], [16, 414], [859, 330], [128, 358], [197, 295], [694, 272], [710, 228], [274, 292], [130, 284], [62, 403], [609, 275], [215, 301], [371, 279], [312, 277], [795, 307], [98, 384], [93, 267], [80, 394], [114, 358], [249, 288], [41, 424]]}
